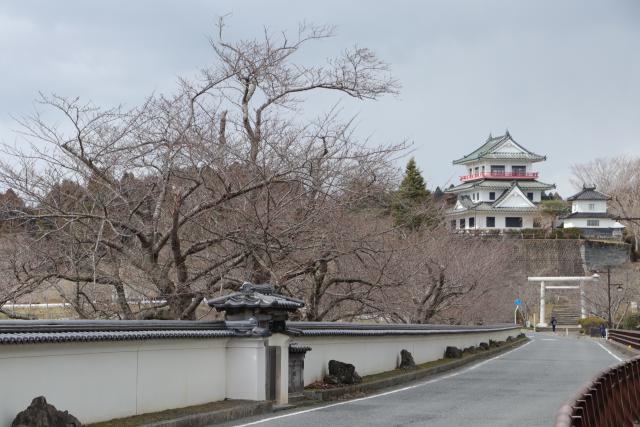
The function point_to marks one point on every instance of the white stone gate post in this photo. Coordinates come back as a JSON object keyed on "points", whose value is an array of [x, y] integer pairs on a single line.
{"points": [[542, 323]]}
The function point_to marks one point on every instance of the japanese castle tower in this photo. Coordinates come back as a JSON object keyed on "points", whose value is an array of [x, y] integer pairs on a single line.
{"points": [[499, 188]]}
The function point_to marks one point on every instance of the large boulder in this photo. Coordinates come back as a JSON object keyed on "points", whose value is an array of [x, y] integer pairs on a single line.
{"points": [[342, 373], [406, 360], [483, 346], [42, 414], [452, 353]]}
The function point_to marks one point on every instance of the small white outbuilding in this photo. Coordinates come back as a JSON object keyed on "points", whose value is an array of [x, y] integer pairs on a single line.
{"points": [[590, 214]]}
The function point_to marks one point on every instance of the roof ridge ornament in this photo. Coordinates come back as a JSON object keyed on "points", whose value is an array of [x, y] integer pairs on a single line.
{"points": [[264, 288]]}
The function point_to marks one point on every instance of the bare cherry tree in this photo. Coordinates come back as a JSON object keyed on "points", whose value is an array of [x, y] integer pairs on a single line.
{"points": [[439, 275], [193, 193]]}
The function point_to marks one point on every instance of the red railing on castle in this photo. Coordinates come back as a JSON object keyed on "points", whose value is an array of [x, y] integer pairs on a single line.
{"points": [[500, 175], [611, 399]]}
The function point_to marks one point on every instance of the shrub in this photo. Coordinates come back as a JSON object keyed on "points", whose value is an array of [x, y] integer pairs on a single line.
{"points": [[569, 233], [533, 233], [631, 321], [590, 322]]}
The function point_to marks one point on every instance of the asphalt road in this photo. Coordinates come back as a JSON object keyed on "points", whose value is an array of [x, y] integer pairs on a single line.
{"points": [[523, 387]]}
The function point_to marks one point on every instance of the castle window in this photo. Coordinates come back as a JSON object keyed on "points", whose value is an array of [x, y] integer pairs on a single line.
{"points": [[592, 206], [462, 223], [519, 170], [530, 196], [513, 221], [497, 169], [492, 195], [491, 221], [593, 223], [472, 222]]}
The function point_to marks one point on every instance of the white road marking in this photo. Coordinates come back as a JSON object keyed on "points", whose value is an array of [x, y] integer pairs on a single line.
{"points": [[608, 351], [386, 393], [548, 339]]}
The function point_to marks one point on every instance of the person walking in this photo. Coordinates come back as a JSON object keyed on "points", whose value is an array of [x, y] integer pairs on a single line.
{"points": [[603, 330], [554, 323]]}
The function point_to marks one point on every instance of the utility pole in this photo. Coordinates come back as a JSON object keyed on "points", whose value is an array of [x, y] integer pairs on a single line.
{"points": [[609, 285], [609, 295]]}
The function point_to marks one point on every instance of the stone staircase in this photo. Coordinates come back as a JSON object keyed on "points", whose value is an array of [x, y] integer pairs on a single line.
{"points": [[566, 314]]}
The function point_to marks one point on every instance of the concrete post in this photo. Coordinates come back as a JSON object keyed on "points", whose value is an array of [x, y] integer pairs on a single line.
{"points": [[542, 323], [282, 380], [583, 308]]}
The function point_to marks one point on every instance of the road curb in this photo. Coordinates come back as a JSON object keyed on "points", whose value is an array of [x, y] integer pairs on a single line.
{"points": [[215, 417], [336, 393], [631, 352], [201, 419]]}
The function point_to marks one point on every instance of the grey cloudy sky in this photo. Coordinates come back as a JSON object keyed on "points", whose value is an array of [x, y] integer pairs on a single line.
{"points": [[562, 76]]}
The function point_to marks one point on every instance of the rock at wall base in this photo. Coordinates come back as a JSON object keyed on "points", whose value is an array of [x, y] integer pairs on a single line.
{"points": [[342, 373], [41, 414], [406, 360], [452, 353], [483, 346]]}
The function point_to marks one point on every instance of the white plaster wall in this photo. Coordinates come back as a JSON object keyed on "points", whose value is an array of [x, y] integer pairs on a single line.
{"points": [[537, 195], [582, 223], [104, 380], [245, 367], [481, 221], [371, 355], [583, 206]]}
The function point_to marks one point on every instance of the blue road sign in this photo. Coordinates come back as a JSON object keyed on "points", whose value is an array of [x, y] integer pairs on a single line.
{"points": [[518, 302]]}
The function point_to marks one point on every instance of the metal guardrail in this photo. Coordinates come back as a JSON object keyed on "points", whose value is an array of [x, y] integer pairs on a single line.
{"points": [[611, 399], [625, 337]]}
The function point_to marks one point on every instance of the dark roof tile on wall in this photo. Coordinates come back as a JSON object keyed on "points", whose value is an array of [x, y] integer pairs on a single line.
{"points": [[360, 329], [57, 331], [588, 215]]}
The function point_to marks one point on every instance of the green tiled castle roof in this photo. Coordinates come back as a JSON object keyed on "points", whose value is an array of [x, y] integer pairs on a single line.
{"points": [[484, 152]]}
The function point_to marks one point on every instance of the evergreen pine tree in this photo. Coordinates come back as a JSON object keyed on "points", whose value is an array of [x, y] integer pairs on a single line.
{"points": [[408, 209], [413, 186]]}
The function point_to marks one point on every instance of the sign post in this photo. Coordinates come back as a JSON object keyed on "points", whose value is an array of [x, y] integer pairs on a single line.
{"points": [[518, 303]]}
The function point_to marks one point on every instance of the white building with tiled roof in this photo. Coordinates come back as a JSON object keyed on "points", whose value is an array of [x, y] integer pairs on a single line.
{"points": [[499, 188], [589, 213]]}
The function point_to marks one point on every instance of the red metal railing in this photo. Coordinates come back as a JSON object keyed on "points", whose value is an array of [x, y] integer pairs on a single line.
{"points": [[500, 175], [611, 399]]}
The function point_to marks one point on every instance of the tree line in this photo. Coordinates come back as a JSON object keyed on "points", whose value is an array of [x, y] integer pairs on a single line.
{"points": [[230, 179]]}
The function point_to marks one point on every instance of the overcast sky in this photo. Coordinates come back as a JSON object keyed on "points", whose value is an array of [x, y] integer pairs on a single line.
{"points": [[562, 76]]}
